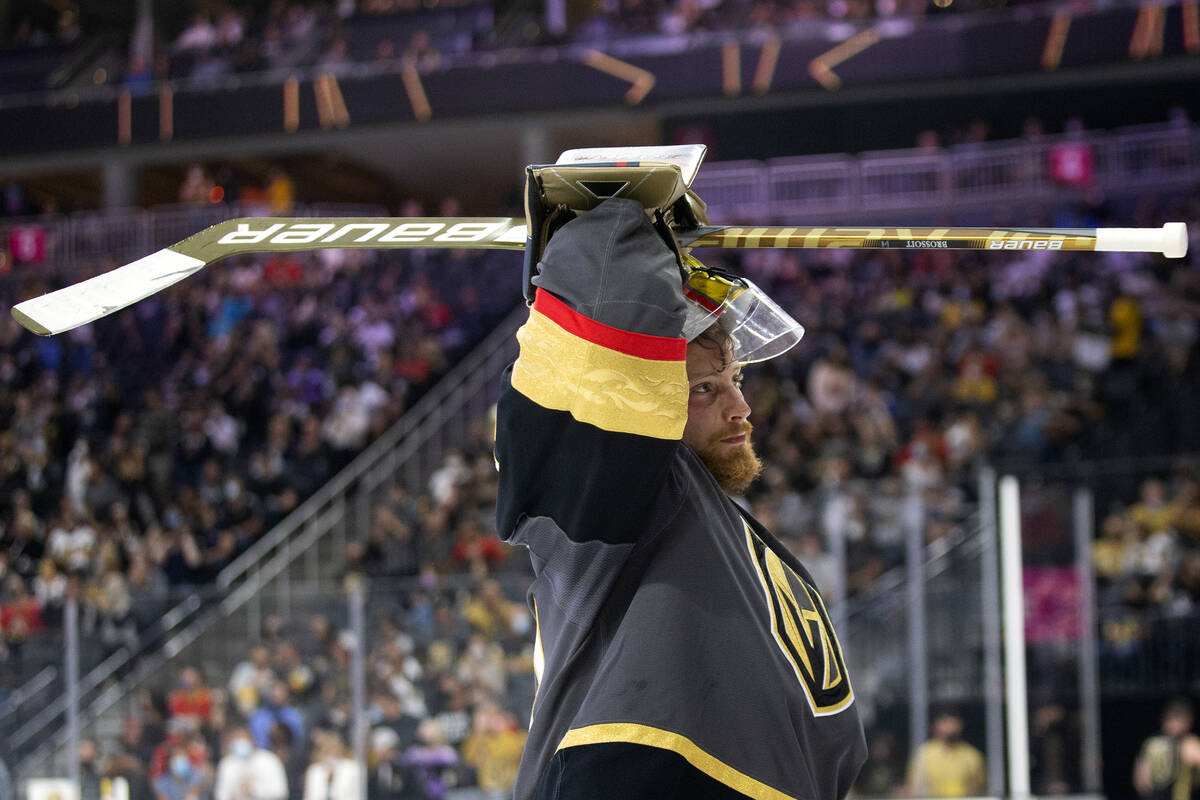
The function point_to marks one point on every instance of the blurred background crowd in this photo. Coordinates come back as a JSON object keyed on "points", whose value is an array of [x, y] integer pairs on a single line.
{"points": [[146, 452], [146, 457], [140, 459]]}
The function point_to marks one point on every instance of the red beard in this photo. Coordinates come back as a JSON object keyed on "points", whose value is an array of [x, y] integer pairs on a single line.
{"points": [[734, 466]]}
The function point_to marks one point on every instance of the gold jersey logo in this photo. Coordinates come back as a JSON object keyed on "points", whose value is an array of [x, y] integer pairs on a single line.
{"points": [[801, 628]]}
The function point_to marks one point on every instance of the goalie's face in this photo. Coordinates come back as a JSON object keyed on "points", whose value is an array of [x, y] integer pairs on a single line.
{"points": [[718, 427]]}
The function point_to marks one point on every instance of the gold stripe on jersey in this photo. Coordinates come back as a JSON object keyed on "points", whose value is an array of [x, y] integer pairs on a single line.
{"points": [[606, 388], [715, 768], [539, 654]]}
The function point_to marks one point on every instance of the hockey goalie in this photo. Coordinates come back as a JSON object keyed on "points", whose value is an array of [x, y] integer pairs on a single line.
{"points": [[681, 651]]}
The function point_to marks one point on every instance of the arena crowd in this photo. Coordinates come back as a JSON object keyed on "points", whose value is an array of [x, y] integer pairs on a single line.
{"points": [[147, 451]]}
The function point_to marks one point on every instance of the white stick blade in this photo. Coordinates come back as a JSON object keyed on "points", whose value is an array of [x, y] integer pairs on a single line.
{"points": [[685, 156], [100, 296]]}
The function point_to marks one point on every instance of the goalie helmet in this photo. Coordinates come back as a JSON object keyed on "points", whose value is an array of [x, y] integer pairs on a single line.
{"points": [[758, 327]]}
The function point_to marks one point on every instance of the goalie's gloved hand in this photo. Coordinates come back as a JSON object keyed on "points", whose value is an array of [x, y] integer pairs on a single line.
{"points": [[557, 193]]}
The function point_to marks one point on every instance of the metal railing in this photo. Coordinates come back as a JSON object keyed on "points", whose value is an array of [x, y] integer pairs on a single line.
{"points": [[30, 692], [916, 183], [1149, 652], [972, 177], [38, 728], [876, 621], [795, 185]]}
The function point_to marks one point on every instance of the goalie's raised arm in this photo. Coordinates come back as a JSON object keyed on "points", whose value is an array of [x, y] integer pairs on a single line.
{"points": [[597, 400]]}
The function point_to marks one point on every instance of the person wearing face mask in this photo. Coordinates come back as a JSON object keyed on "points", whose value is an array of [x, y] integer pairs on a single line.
{"points": [[946, 766], [182, 780], [248, 772]]}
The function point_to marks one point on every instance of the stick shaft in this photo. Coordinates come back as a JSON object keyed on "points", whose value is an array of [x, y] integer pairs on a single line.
{"points": [[283, 234], [898, 238], [1171, 239], [102, 295]]}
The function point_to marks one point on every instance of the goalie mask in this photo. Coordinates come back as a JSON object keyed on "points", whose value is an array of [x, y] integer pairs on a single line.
{"points": [[759, 328]]}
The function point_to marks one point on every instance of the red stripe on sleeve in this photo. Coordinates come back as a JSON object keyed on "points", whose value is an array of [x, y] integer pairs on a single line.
{"points": [[642, 345]]}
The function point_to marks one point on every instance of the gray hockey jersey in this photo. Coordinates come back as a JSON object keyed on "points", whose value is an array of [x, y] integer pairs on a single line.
{"points": [[666, 616]]}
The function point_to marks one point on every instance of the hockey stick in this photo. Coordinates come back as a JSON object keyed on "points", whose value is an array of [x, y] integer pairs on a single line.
{"points": [[104, 294]]}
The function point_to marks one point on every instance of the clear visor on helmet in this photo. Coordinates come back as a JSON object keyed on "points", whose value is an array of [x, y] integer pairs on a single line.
{"points": [[759, 328]]}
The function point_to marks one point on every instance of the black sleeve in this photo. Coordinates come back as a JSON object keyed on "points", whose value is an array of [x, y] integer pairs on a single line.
{"points": [[593, 409]]}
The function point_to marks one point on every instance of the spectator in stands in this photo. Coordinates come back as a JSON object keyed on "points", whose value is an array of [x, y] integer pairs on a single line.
{"points": [[1168, 765], [336, 59], [388, 777], [251, 679], [293, 754], [1116, 553], [332, 774], [139, 75], [348, 424], [397, 545], [946, 766], [420, 52], [293, 670], [275, 709], [71, 540], [176, 552], [230, 27], [109, 612], [207, 67], [481, 667], [472, 547], [452, 703], [199, 35], [50, 588], [494, 750], [197, 186], [1180, 596], [89, 770], [24, 540], [1152, 514], [128, 769], [491, 614], [431, 761], [182, 780], [147, 591], [386, 708], [248, 772], [20, 615], [1051, 739], [881, 776], [403, 687], [192, 700], [281, 192], [135, 741], [385, 56], [68, 29]]}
